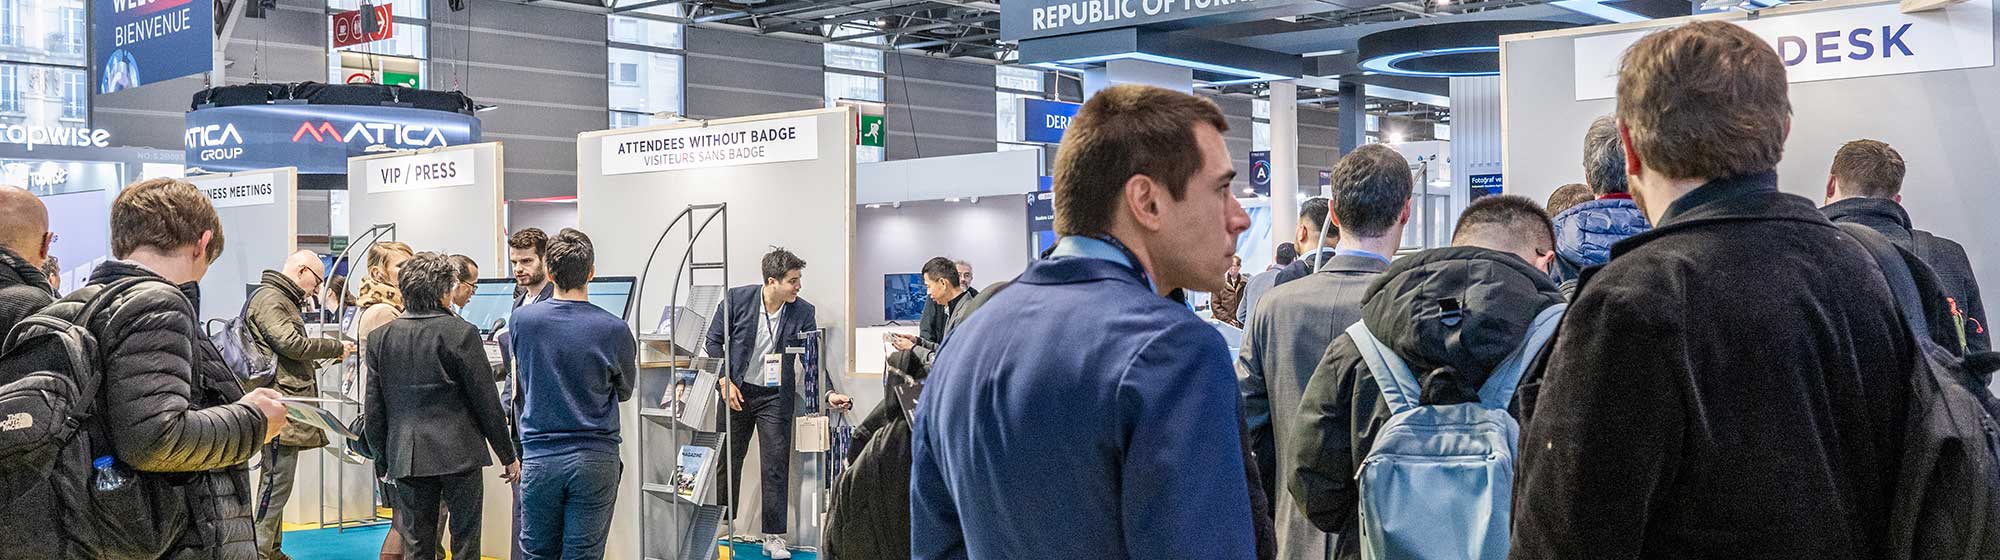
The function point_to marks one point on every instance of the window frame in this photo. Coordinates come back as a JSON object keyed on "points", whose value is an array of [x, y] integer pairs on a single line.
{"points": [[622, 118]]}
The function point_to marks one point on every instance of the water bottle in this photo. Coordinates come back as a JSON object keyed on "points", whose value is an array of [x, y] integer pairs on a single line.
{"points": [[109, 475]]}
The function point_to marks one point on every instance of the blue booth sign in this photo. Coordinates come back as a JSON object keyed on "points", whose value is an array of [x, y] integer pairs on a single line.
{"points": [[1260, 172], [1045, 121], [141, 42], [1486, 184], [317, 139]]}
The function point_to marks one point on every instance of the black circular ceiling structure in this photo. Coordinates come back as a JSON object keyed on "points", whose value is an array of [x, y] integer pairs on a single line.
{"points": [[1445, 50]]}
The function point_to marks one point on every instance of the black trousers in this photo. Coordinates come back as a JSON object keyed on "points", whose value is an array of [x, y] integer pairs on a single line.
{"points": [[768, 411], [417, 499]]}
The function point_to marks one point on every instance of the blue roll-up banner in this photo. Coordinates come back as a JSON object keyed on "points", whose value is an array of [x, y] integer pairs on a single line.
{"points": [[1260, 172], [317, 139], [1486, 184], [1045, 121], [144, 42]]}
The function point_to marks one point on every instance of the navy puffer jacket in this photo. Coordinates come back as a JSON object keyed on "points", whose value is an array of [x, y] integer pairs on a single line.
{"points": [[1585, 233]]}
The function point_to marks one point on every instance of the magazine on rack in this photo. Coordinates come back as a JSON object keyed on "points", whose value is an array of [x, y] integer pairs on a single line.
{"points": [[691, 399], [694, 473]]}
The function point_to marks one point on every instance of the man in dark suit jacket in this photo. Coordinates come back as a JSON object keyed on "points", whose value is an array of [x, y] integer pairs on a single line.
{"points": [[758, 381], [1865, 187]]}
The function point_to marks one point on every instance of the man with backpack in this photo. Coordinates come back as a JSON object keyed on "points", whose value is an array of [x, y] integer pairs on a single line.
{"points": [[1866, 187], [1733, 383], [24, 247], [156, 468], [273, 314], [1443, 337]]}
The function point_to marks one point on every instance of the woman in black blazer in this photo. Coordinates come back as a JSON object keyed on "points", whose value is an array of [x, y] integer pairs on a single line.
{"points": [[430, 402]]}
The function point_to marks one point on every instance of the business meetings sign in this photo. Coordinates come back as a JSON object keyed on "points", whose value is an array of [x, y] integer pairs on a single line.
{"points": [[1833, 44], [141, 42], [1030, 19], [315, 138]]}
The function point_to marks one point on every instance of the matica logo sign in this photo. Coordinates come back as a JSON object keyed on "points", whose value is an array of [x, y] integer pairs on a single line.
{"points": [[372, 133], [215, 142]]}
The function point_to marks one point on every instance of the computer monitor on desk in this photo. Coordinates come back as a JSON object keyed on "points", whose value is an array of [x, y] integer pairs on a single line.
{"points": [[493, 299]]}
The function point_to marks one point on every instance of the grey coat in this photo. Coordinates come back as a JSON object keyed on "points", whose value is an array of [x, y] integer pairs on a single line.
{"points": [[1284, 341]]}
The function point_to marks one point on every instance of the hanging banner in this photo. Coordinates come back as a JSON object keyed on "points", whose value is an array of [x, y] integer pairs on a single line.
{"points": [[317, 139], [1045, 121], [696, 147], [347, 30], [142, 42], [239, 190], [1833, 44], [434, 170], [1260, 172]]}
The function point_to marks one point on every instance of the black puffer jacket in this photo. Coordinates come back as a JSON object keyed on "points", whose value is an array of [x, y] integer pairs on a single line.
{"points": [[168, 412], [1343, 410], [23, 290]]}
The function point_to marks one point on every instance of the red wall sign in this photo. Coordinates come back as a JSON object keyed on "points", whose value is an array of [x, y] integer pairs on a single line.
{"points": [[347, 27]]}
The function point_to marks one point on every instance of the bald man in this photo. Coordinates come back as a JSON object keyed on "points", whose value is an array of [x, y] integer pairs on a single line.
{"points": [[274, 317], [24, 246]]}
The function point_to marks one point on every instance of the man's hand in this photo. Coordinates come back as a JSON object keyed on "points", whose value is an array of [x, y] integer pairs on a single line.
{"points": [[840, 401], [732, 395], [512, 474], [266, 401], [904, 342], [346, 349]]}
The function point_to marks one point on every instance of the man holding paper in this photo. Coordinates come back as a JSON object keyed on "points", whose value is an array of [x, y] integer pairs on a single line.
{"points": [[273, 314]]}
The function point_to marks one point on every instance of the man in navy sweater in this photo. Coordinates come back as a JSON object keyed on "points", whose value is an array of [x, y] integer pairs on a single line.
{"points": [[576, 363], [1045, 432]]}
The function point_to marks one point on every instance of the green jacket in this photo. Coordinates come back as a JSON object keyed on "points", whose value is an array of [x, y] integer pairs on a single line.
{"points": [[274, 316]]}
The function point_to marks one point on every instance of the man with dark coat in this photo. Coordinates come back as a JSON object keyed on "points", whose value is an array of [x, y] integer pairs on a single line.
{"points": [[1497, 268], [1733, 383], [1865, 187], [24, 246], [172, 415], [1585, 232], [273, 315], [1312, 246]]}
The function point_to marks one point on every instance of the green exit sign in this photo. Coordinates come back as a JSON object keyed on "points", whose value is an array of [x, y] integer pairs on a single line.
{"points": [[400, 79], [873, 131]]}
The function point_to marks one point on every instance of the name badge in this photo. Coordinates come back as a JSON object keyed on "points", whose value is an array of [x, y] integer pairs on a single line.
{"points": [[774, 370]]}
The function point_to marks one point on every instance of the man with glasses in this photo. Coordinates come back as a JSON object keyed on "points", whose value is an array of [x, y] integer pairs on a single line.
{"points": [[468, 281], [273, 313], [24, 246]]}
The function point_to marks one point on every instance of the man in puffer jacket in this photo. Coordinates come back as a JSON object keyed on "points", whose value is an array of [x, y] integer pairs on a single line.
{"points": [[172, 416], [1585, 233], [24, 244]]}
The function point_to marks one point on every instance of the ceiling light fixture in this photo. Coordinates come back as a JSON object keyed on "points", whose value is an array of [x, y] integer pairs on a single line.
{"points": [[1390, 64]]}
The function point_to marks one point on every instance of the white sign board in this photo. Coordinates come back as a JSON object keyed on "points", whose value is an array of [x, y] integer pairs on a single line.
{"points": [[238, 190], [435, 170], [747, 143], [1832, 44]]}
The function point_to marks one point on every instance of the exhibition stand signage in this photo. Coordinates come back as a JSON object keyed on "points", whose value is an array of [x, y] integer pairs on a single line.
{"points": [[1030, 19], [347, 29], [1045, 121], [140, 42], [316, 139], [259, 214], [422, 171], [413, 189], [746, 143], [1260, 172], [1833, 44]]}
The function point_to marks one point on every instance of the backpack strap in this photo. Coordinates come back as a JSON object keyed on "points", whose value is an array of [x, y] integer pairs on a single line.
{"points": [[104, 298], [1392, 375], [1902, 285], [1500, 386]]}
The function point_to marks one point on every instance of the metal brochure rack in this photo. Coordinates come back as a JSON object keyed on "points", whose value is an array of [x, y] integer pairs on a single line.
{"points": [[348, 470], [673, 527]]}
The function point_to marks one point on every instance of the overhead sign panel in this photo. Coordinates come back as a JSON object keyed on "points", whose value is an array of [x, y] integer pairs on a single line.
{"points": [[435, 170], [238, 190], [1260, 172], [347, 29], [141, 42], [1030, 19], [769, 141], [317, 139], [1045, 121], [1874, 40]]}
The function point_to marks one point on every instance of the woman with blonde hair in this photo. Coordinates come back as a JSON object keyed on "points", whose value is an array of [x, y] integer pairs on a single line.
{"points": [[381, 302]]}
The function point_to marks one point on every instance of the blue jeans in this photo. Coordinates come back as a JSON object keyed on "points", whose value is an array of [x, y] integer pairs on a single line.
{"points": [[566, 503]]}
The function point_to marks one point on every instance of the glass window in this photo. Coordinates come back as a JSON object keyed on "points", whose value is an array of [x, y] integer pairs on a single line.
{"points": [[10, 88], [645, 82], [407, 41], [414, 9], [76, 100], [74, 30], [1441, 131], [363, 68], [1007, 114], [10, 23], [624, 73], [1017, 78], [850, 86], [621, 119], [869, 154], [637, 31], [1260, 108], [850, 57]]}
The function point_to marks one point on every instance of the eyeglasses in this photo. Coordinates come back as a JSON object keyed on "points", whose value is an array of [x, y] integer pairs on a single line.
{"points": [[52, 237], [316, 277]]}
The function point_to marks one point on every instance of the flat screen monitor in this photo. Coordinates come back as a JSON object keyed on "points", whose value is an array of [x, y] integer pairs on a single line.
{"points": [[903, 297], [493, 299]]}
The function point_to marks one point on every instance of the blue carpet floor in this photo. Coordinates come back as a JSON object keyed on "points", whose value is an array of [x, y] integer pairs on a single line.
{"points": [[365, 543]]}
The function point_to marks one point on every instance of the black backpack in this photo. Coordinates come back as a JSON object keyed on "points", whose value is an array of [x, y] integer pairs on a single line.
{"points": [[1947, 495], [243, 349], [49, 377]]}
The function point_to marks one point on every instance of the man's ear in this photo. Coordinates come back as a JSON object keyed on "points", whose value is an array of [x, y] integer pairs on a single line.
{"points": [[1633, 164], [1142, 197], [201, 249]]}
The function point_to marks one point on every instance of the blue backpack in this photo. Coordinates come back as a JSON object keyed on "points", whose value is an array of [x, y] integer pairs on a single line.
{"points": [[1439, 483]]}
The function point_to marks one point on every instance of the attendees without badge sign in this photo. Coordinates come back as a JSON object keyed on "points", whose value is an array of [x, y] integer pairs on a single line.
{"points": [[1312, 246], [1127, 402], [274, 314], [1865, 187], [1289, 332], [1457, 318], [577, 362], [1586, 231], [431, 422], [172, 432], [24, 250], [1732, 384], [762, 321], [1263, 281]]}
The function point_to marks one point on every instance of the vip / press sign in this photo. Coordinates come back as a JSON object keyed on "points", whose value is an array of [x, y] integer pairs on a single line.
{"points": [[1831, 44]]}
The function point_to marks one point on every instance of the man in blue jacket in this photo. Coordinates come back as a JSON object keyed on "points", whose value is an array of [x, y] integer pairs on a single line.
{"points": [[1047, 432], [1585, 232]]}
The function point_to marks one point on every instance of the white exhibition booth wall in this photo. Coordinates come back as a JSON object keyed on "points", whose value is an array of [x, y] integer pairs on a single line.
{"points": [[260, 225], [82, 224], [1930, 93], [788, 181], [442, 200]]}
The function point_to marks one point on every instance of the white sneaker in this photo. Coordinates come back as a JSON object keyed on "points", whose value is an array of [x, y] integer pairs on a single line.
{"points": [[774, 548]]}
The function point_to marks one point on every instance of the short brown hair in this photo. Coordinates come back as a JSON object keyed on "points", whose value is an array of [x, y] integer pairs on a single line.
{"points": [[1568, 196], [1869, 168], [1371, 186], [531, 238], [1705, 100], [1121, 132], [571, 257], [165, 214]]}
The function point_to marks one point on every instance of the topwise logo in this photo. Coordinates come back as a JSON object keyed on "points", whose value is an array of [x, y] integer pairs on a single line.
{"points": [[372, 133]]}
